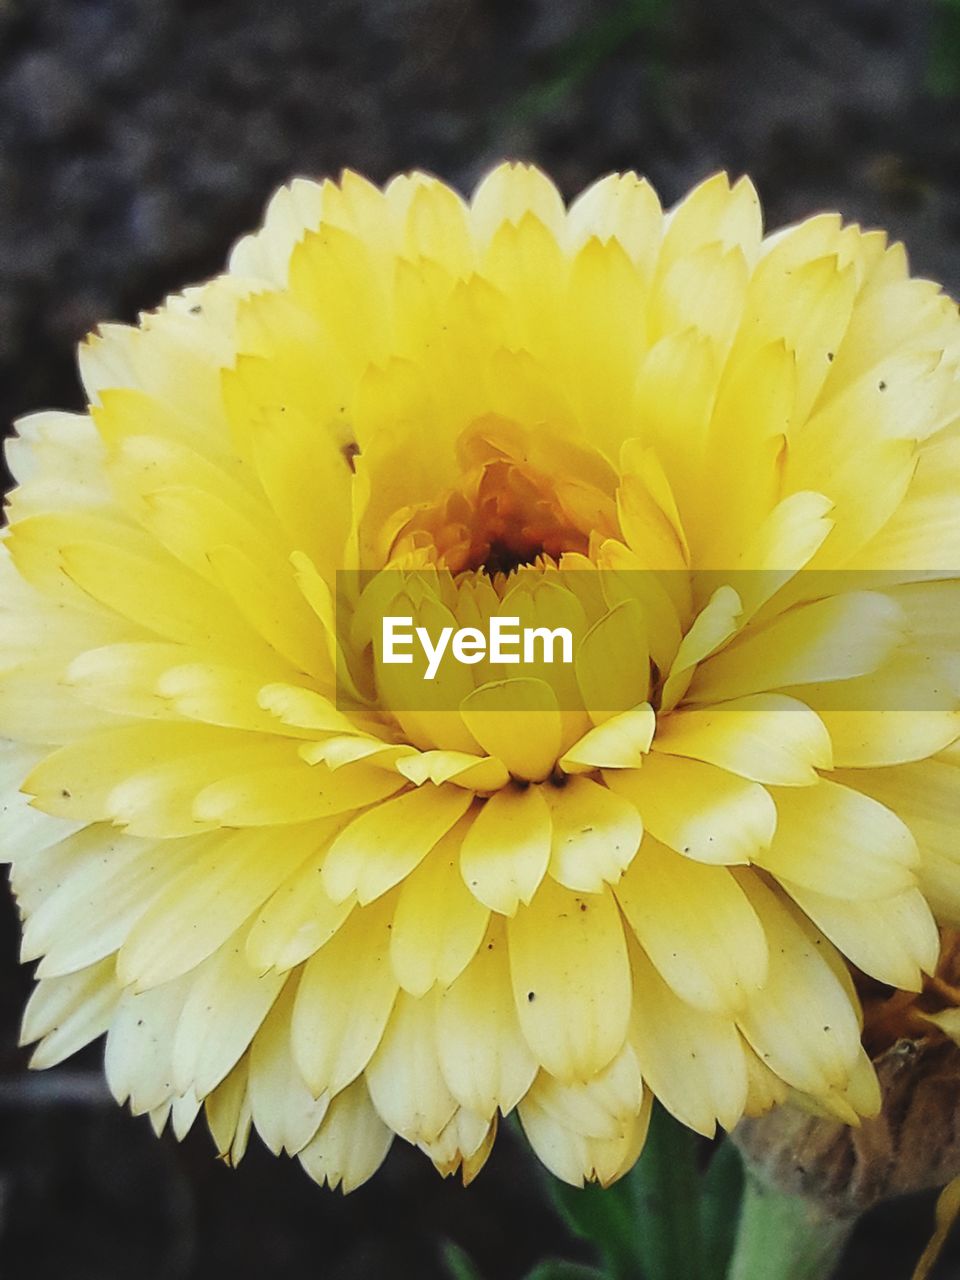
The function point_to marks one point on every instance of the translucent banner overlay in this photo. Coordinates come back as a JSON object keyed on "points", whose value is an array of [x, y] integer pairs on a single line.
{"points": [[606, 640]]}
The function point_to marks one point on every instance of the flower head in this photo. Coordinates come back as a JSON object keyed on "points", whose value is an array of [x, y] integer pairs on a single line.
{"points": [[314, 893]]}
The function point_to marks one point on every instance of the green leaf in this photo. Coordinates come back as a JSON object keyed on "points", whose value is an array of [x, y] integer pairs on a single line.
{"points": [[720, 1209], [604, 1217], [647, 1225], [564, 1271], [459, 1263], [943, 72], [666, 1186]]}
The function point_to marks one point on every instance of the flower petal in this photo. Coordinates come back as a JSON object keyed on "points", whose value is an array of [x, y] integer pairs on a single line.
{"points": [[571, 979], [699, 810], [222, 1013], [595, 834], [766, 738], [285, 1112], [495, 712], [691, 1059], [505, 853], [834, 840], [483, 1055], [382, 846], [203, 905], [404, 1077], [439, 923], [893, 939], [619, 743], [802, 1024], [351, 1143], [697, 927], [346, 993]]}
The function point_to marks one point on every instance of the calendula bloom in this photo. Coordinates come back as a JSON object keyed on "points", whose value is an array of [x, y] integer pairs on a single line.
{"points": [[313, 893]]}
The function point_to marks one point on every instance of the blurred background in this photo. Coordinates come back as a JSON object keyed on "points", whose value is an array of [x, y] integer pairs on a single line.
{"points": [[138, 139]]}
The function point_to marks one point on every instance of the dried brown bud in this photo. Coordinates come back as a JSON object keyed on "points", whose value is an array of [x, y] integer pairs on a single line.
{"points": [[914, 1143]]}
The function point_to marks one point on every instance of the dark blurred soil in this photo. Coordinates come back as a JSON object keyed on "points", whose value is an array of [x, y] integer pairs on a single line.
{"points": [[138, 139]]}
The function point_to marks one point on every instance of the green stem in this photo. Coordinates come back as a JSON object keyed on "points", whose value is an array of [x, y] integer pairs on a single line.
{"points": [[784, 1237], [666, 1184]]}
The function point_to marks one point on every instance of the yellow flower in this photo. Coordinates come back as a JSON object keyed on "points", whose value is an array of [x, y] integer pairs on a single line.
{"points": [[317, 895]]}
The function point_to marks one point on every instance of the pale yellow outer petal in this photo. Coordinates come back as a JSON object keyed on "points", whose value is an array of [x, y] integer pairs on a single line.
{"points": [[299, 917], [464, 1143], [139, 1052], [701, 811], [692, 1060], [264, 254], [619, 743], [833, 639], [576, 1158], [599, 1107], [745, 448], [155, 593], [926, 796], [439, 923], [23, 828], [505, 853], [606, 293], [404, 1077], [893, 939], [765, 1089], [66, 1013], [709, 632], [571, 979], [595, 834], [183, 1112], [351, 1143], [221, 1014], [385, 844], [201, 907], [835, 840], [37, 706], [924, 532], [114, 773], [484, 1058], [285, 1112], [782, 544], [509, 192], [228, 1113], [767, 737], [622, 206], [802, 1024], [697, 927], [124, 677], [57, 461], [291, 792], [714, 211], [346, 993], [871, 738], [92, 888]]}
